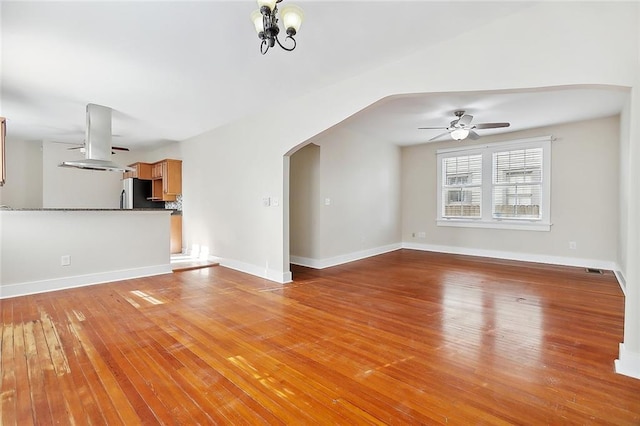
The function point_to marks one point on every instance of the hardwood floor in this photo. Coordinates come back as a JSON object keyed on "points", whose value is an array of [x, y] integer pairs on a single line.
{"points": [[403, 338]]}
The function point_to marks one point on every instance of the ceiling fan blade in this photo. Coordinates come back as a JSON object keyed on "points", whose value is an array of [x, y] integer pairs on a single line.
{"points": [[490, 125], [432, 128], [465, 120], [66, 143], [120, 148], [439, 136], [473, 135], [76, 147]]}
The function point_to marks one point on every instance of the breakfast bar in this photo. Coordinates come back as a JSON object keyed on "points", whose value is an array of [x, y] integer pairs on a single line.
{"points": [[52, 249]]}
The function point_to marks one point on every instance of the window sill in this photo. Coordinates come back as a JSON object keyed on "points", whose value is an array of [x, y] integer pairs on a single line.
{"points": [[496, 224]]}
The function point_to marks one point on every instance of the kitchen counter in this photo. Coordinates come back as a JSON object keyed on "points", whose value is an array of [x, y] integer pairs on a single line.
{"points": [[51, 249], [79, 210]]}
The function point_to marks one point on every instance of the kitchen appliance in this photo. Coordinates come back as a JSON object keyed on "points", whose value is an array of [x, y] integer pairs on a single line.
{"points": [[135, 194], [98, 142]]}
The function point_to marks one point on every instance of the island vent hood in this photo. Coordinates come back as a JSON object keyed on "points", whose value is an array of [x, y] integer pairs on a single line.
{"points": [[97, 142]]}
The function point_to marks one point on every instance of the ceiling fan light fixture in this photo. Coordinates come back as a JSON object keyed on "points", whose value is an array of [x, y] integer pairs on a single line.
{"points": [[459, 134]]}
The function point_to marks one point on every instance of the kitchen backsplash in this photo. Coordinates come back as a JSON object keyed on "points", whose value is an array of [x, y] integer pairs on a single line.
{"points": [[174, 205]]}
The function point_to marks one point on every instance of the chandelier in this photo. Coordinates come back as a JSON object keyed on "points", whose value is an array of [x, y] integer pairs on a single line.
{"points": [[266, 22]]}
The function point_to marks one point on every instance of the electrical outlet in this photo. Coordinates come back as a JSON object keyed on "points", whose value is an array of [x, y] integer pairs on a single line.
{"points": [[275, 201], [327, 201], [572, 245], [422, 234], [266, 202], [65, 260]]}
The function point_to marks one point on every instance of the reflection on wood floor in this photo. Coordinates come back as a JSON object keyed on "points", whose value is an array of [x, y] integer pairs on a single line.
{"points": [[407, 337], [181, 263]]}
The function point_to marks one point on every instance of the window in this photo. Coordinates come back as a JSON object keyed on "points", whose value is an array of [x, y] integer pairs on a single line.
{"points": [[515, 194], [517, 184], [462, 190]]}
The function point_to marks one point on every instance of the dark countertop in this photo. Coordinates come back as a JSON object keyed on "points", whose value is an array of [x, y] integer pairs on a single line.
{"points": [[9, 209]]}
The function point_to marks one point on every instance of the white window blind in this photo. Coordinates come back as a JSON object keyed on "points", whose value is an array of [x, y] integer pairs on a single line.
{"points": [[500, 185], [462, 186], [517, 184]]}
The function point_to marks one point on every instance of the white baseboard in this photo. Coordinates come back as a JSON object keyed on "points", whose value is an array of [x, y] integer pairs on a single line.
{"points": [[628, 363], [622, 280], [344, 258], [34, 287], [524, 257], [267, 273]]}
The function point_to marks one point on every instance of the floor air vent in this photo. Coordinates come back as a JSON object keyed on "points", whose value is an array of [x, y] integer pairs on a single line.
{"points": [[594, 271]]}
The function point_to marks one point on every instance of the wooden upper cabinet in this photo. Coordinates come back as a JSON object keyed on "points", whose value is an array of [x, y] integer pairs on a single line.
{"points": [[166, 177], [172, 177], [142, 171], [156, 170], [167, 180]]}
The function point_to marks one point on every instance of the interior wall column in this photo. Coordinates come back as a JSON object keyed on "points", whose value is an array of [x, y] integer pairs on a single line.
{"points": [[628, 362]]}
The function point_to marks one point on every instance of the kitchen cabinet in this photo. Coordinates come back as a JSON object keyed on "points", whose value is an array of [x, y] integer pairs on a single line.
{"points": [[166, 176], [141, 171], [156, 170], [176, 233]]}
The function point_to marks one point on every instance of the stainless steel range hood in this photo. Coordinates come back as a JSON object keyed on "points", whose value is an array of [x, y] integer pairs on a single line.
{"points": [[97, 142]]}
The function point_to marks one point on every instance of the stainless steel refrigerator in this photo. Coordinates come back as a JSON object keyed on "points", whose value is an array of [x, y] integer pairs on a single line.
{"points": [[135, 194]]}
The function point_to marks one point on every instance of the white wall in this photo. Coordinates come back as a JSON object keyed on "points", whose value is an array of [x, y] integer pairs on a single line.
{"points": [[170, 150], [624, 185], [102, 245], [23, 187], [629, 359], [584, 199], [305, 202], [360, 177], [226, 175], [64, 187]]}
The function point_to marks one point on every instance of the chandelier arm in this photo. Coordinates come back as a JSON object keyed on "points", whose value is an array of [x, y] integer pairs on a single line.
{"points": [[286, 48], [264, 47]]}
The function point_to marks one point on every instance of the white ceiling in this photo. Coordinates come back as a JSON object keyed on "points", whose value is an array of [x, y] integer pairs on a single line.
{"points": [[172, 70], [398, 117]]}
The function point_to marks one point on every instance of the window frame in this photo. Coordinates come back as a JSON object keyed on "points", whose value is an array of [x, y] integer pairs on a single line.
{"points": [[486, 219]]}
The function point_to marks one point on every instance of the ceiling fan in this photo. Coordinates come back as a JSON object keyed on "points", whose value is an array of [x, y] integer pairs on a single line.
{"points": [[461, 127], [83, 148]]}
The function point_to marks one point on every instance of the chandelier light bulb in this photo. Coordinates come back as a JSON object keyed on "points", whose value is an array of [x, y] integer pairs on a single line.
{"points": [[266, 19], [292, 17], [256, 18], [271, 4]]}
